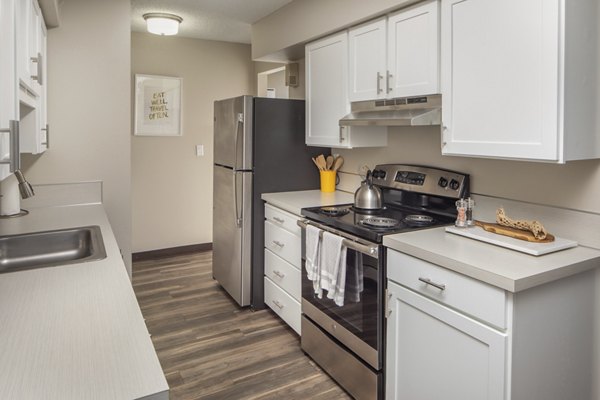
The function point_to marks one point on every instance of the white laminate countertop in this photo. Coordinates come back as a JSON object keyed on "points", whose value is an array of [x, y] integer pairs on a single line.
{"points": [[74, 331], [295, 201], [506, 269]]}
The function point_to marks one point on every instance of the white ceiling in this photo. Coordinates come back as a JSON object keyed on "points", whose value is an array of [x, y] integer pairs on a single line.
{"points": [[225, 20]]}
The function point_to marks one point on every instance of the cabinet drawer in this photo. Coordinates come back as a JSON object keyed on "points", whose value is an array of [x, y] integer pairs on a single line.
{"points": [[478, 299], [283, 243], [282, 219], [283, 304], [282, 273]]}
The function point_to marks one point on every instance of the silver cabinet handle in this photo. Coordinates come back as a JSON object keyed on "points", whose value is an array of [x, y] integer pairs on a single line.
{"points": [[279, 274], [277, 243], [39, 61], [388, 310], [428, 281], [388, 76], [14, 160], [281, 221], [47, 130], [278, 304], [379, 78], [342, 134]]}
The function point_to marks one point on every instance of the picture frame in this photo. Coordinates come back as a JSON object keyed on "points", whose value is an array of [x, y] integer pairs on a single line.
{"points": [[157, 105]]}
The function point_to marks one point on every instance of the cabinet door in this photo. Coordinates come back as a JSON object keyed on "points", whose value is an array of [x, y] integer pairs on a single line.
{"points": [[413, 51], [367, 65], [500, 78], [33, 90], [35, 46], [8, 80], [43, 140], [326, 90], [434, 352]]}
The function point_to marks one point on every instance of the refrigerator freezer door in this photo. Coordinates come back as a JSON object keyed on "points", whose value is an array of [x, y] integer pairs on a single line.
{"points": [[232, 229], [233, 132]]}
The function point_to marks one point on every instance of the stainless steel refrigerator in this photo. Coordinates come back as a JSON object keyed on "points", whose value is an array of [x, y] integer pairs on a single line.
{"points": [[258, 148]]}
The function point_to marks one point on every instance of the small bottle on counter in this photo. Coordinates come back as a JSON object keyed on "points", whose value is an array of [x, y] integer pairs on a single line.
{"points": [[461, 216], [470, 207]]}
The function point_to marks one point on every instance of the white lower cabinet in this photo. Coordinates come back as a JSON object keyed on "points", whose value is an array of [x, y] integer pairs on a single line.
{"points": [[452, 337], [283, 274], [437, 353], [283, 304], [283, 262]]}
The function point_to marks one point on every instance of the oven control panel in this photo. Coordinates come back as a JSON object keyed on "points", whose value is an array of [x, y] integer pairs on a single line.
{"points": [[434, 181]]}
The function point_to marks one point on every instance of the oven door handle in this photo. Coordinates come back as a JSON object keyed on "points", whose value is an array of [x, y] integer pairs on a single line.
{"points": [[372, 251]]}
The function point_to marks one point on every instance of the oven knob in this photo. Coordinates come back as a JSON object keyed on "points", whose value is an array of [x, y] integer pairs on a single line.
{"points": [[454, 185], [378, 174], [443, 182]]}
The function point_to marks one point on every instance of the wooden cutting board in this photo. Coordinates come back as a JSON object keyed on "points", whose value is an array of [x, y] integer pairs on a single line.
{"points": [[513, 232], [524, 246]]}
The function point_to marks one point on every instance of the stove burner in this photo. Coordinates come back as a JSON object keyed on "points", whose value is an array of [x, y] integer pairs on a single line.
{"points": [[367, 211], [334, 211], [417, 219], [380, 222]]}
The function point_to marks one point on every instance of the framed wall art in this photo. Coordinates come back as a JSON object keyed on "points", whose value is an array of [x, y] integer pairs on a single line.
{"points": [[157, 105]]}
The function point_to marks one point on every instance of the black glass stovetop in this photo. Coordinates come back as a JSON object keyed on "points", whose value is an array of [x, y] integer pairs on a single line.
{"points": [[373, 225]]}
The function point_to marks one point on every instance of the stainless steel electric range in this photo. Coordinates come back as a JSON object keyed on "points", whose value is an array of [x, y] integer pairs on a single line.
{"points": [[348, 341]]}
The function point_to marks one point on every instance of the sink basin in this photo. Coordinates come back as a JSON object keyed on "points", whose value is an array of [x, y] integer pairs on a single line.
{"points": [[51, 248]]}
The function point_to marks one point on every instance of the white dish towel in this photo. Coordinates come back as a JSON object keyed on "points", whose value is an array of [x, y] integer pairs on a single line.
{"points": [[333, 267], [311, 242]]}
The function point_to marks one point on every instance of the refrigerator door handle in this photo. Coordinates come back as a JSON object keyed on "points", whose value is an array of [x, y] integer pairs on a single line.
{"points": [[238, 215], [238, 126]]}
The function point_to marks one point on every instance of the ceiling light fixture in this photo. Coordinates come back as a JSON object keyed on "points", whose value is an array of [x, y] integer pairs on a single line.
{"points": [[162, 23]]}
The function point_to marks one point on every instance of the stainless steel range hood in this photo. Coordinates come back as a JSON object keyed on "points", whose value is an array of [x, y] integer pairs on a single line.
{"points": [[402, 111]]}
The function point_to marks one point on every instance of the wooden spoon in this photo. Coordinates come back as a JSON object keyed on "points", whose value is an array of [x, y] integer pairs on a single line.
{"points": [[316, 163], [321, 162], [337, 164], [329, 162]]}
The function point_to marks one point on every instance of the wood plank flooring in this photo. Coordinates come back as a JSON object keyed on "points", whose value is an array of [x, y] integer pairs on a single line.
{"points": [[210, 348]]}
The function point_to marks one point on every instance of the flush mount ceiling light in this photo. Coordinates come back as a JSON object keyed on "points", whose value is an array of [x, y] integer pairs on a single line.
{"points": [[162, 23]]}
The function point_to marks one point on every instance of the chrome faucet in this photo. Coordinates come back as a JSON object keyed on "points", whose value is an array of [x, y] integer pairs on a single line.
{"points": [[24, 187]]}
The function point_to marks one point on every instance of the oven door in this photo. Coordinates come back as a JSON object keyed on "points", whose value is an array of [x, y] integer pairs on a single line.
{"points": [[358, 324]]}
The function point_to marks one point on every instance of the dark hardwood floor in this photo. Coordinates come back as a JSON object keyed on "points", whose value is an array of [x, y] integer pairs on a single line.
{"points": [[210, 348]]}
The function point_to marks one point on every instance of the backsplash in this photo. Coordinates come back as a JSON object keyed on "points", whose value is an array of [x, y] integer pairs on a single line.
{"points": [[575, 185]]}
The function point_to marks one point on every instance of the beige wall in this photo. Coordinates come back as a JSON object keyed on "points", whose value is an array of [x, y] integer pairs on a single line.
{"points": [[280, 36], [171, 187], [276, 81], [89, 107], [574, 185]]}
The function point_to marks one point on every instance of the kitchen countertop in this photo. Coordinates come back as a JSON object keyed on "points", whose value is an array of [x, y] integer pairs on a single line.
{"points": [[74, 331], [294, 201], [506, 269]]}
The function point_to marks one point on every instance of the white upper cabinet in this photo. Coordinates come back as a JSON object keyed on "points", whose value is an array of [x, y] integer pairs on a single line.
{"points": [[31, 75], [367, 61], [327, 98], [8, 80], [519, 79], [413, 51], [396, 56], [326, 92], [29, 45]]}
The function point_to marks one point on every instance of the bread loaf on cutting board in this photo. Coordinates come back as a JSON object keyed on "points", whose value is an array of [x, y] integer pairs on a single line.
{"points": [[513, 232]]}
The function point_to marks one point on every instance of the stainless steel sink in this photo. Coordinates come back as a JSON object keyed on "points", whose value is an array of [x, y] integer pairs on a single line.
{"points": [[51, 248]]}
